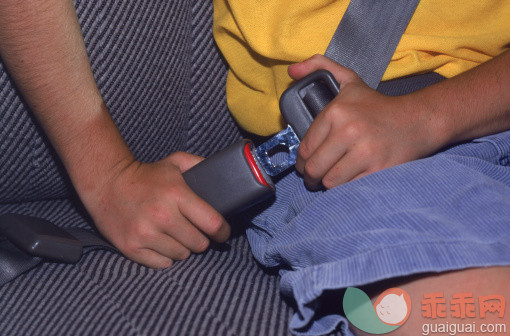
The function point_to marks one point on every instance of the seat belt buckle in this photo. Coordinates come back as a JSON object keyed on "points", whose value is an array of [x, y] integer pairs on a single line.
{"points": [[40, 238], [230, 180], [239, 176], [306, 98], [299, 105]]}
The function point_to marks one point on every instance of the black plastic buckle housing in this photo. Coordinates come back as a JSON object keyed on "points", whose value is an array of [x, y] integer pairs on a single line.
{"points": [[40, 238]]}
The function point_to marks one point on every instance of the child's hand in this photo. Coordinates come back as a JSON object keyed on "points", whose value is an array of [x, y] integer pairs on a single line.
{"points": [[361, 131], [149, 213]]}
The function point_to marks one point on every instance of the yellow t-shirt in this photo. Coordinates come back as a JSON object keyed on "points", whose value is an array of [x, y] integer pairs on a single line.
{"points": [[261, 38]]}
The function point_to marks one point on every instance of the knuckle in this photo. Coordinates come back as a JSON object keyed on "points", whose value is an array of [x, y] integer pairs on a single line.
{"points": [[225, 234], [352, 75], [183, 254], [174, 191], [215, 223], [157, 207], [202, 246], [311, 169], [178, 155], [376, 167], [316, 57], [368, 151], [168, 263], [144, 233], [338, 138], [332, 113], [353, 130], [130, 249], [165, 263], [336, 114], [171, 226], [304, 150], [159, 213], [328, 183], [333, 178], [349, 76]]}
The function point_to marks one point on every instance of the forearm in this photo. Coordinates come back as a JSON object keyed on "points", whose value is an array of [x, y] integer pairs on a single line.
{"points": [[42, 46], [145, 209], [362, 131], [473, 104]]}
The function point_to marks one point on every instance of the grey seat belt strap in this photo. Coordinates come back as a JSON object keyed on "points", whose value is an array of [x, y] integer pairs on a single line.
{"points": [[368, 34]]}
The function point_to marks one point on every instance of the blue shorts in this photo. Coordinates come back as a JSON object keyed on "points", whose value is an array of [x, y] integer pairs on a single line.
{"points": [[445, 212]]}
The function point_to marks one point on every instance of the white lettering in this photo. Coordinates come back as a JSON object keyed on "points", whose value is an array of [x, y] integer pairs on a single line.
{"points": [[455, 328], [452, 329], [425, 329]]}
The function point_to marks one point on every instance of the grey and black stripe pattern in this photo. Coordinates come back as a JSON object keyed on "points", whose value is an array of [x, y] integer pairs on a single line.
{"points": [[158, 70], [220, 292], [28, 169], [208, 101], [139, 56]]}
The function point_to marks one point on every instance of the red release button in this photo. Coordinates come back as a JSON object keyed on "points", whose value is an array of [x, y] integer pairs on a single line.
{"points": [[253, 165]]}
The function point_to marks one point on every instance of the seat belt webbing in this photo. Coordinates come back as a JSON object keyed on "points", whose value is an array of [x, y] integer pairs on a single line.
{"points": [[368, 34]]}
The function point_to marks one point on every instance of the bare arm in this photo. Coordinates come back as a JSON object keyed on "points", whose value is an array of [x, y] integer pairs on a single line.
{"points": [[146, 210], [363, 131], [471, 105], [41, 44]]}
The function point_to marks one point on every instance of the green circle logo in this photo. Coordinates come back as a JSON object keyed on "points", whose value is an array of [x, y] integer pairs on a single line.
{"points": [[388, 313]]}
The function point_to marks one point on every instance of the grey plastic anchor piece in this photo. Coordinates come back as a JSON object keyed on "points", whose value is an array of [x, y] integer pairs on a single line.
{"points": [[41, 238]]}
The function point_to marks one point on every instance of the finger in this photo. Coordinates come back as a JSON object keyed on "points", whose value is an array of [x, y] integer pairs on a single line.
{"points": [[204, 217], [319, 62], [345, 170], [365, 173], [168, 247], [184, 161], [150, 258], [186, 234], [314, 137], [323, 159]]}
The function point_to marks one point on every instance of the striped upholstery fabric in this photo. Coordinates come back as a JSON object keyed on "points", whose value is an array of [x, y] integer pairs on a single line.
{"points": [[159, 72], [208, 77], [220, 292]]}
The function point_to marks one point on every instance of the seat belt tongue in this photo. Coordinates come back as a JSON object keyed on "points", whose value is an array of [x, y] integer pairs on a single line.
{"points": [[299, 105], [40, 238]]}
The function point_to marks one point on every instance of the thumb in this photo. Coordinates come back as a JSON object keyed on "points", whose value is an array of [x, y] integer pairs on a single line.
{"points": [[320, 62], [184, 160]]}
